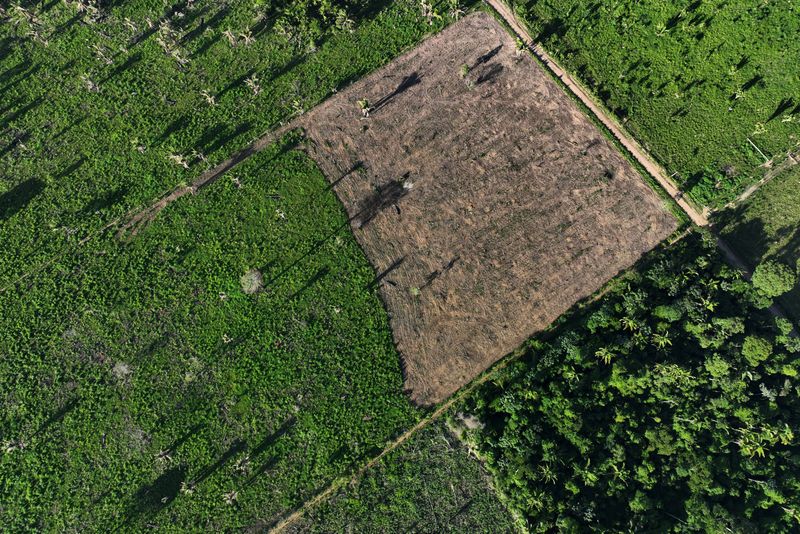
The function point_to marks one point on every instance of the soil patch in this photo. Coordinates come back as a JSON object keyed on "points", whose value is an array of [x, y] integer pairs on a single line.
{"points": [[488, 203]]}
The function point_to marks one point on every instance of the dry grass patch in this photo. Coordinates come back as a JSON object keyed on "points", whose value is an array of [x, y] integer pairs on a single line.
{"points": [[485, 199]]}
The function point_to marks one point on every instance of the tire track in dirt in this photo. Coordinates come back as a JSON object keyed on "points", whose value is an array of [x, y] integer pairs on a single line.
{"points": [[140, 219], [791, 161]]}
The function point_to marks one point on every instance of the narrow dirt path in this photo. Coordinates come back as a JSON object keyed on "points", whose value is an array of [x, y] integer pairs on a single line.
{"points": [[633, 146], [655, 170], [340, 482], [141, 218], [791, 161], [136, 219]]}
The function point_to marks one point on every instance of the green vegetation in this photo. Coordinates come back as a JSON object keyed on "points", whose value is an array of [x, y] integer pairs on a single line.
{"points": [[766, 230], [773, 279], [429, 484], [232, 358], [671, 404], [693, 80], [103, 109], [142, 385]]}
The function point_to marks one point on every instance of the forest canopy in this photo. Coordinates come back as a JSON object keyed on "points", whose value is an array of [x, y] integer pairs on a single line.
{"points": [[671, 404]]}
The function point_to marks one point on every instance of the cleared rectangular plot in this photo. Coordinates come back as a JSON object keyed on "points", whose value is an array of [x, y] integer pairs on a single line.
{"points": [[486, 200]]}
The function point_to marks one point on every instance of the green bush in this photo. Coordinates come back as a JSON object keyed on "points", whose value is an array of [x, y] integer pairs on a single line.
{"points": [[773, 279]]}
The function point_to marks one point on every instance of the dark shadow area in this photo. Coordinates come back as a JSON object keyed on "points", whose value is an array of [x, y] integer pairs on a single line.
{"points": [[490, 74], [12, 72], [218, 136], [691, 182], [752, 82], [263, 25], [554, 28], [201, 27], [748, 236], [56, 417], [319, 275], [189, 434], [369, 9], [70, 169], [357, 166], [487, 56], [208, 43], [384, 197], [437, 273], [68, 24], [285, 68], [238, 82], [235, 448], [789, 253], [21, 112], [783, 107], [386, 272], [5, 46], [405, 84], [178, 124], [69, 127], [105, 200], [152, 498], [130, 62], [17, 198], [271, 439]]}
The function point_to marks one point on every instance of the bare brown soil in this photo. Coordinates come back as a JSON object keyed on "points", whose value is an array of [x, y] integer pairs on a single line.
{"points": [[488, 204]]}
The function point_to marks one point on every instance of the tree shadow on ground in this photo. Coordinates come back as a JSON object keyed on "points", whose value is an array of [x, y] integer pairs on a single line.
{"points": [[20, 196], [319, 275], [21, 112], [265, 445], [56, 417], [384, 197], [405, 84], [105, 200], [151, 498]]}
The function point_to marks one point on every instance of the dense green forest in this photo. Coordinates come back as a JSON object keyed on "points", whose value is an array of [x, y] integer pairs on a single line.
{"points": [[703, 84], [766, 228], [104, 106], [429, 484], [154, 383], [671, 404]]}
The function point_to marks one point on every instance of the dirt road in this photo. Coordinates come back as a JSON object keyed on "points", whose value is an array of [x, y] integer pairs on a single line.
{"points": [[655, 170], [611, 124]]}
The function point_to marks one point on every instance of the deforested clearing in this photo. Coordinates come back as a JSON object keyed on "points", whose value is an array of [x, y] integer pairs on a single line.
{"points": [[486, 200]]}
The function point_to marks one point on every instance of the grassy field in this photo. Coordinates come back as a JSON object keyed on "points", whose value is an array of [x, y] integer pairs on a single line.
{"points": [[102, 111], [668, 405], [141, 384], [767, 227], [692, 80], [430, 484]]}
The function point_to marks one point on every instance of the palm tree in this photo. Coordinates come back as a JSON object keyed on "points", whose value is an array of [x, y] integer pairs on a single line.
{"points": [[662, 340], [605, 355]]}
